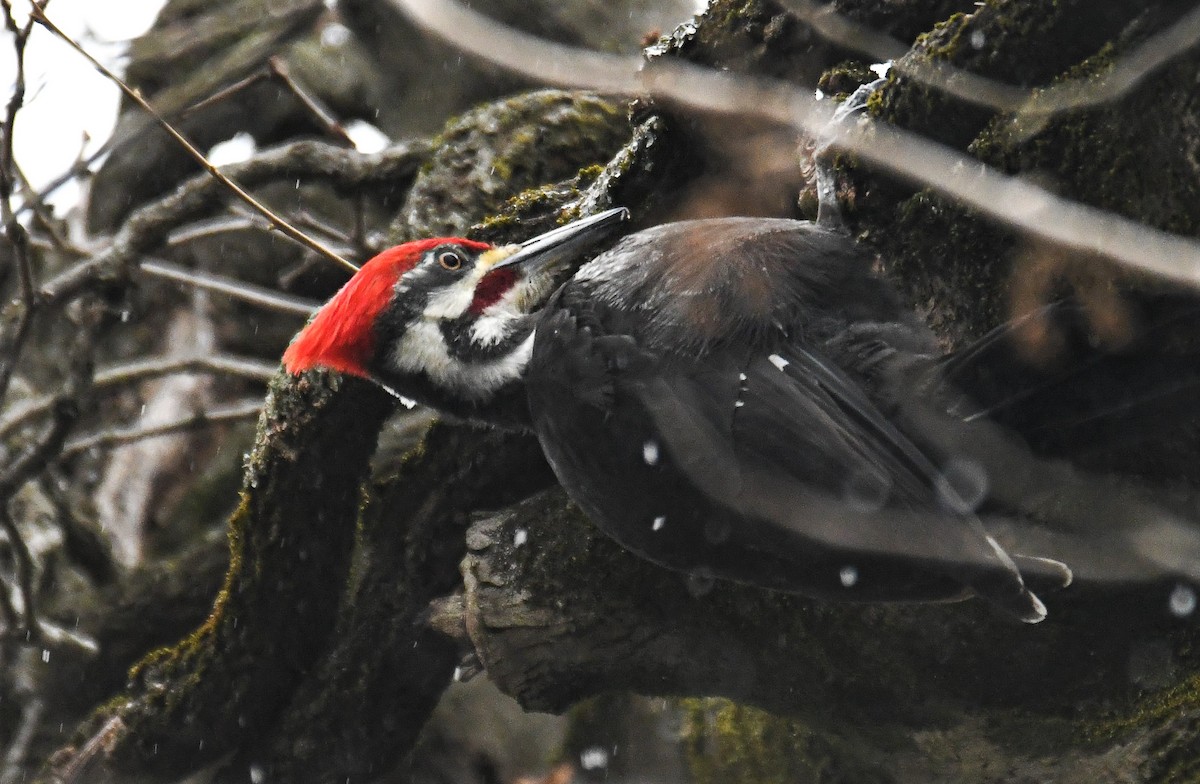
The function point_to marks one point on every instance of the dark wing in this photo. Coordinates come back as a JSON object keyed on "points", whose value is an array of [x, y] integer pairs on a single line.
{"points": [[798, 443]]}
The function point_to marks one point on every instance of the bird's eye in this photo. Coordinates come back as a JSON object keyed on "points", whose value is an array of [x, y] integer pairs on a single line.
{"points": [[450, 260]]}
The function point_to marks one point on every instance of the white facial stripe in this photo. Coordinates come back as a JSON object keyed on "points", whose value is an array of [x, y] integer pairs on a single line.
{"points": [[423, 349], [453, 301]]}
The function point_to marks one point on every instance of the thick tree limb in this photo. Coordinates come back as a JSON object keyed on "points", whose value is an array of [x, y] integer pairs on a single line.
{"points": [[290, 546], [902, 680]]}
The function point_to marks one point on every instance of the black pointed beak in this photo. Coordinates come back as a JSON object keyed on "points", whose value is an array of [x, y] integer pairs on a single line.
{"points": [[565, 242]]}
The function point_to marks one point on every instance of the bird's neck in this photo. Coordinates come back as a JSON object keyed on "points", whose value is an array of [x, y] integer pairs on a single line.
{"points": [[479, 380]]}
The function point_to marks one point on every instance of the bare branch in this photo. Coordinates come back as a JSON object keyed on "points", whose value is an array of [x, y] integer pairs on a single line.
{"points": [[13, 341], [43, 448], [8, 611], [840, 29], [234, 413], [244, 220], [144, 370], [312, 104], [246, 292], [79, 767], [18, 747], [276, 220], [31, 200], [146, 229], [1010, 200], [24, 573], [220, 95], [1032, 107], [1110, 85], [213, 227]]}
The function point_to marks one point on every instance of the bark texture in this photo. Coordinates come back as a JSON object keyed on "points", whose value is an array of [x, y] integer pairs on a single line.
{"points": [[344, 615]]}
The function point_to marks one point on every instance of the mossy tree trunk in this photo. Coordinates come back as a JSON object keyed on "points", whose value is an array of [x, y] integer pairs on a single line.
{"points": [[319, 661]]}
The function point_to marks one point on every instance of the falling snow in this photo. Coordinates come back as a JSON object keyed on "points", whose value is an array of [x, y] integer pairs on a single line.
{"points": [[848, 576], [1182, 601], [520, 537], [659, 522], [593, 758], [650, 453]]}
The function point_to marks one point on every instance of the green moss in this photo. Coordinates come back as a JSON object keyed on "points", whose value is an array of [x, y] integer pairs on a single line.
{"points": [[503, 149], [727, 743], [1124, 158], [845, 77], [589, 173], [194, 643], [1181, 699]]}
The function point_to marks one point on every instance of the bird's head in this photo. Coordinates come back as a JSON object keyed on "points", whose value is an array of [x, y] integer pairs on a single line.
{"points": [[445, 321]]}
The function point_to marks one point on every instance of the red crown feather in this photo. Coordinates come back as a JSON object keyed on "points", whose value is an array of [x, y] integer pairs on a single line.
{"points": [[341, 336]]}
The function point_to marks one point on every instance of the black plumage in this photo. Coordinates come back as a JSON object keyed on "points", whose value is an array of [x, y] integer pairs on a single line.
{"points": [[720, 397]]}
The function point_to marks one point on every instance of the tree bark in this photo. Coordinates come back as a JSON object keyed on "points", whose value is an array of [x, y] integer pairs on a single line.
{"points": [[322, 660]]}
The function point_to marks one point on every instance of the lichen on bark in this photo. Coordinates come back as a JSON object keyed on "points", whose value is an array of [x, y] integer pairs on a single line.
{"points": [[557, 613]]}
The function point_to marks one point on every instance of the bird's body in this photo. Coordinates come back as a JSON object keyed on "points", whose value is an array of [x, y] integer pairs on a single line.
{"points": [[719, 396], [731, 417]]}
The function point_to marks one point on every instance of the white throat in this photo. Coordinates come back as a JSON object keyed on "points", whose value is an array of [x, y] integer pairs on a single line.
{"points": [[423, 350]]}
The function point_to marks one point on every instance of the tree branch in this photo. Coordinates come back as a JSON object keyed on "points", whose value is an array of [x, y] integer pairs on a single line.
{"points": [[146, 229], [276, 220]]}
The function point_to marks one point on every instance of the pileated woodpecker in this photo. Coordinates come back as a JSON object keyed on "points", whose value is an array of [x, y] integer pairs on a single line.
{"points": [[716, 395]]}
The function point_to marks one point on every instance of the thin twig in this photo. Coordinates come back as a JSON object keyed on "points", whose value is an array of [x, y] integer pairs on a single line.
{"points": [[314, 223], [118, 436], [83, 542], [260, 75], [276, 69], [24, 571], [41, 450], [245, 220], [41, 212], [246, 292], [146, 228], [136, 96], [82, 166], [37, 455], [215, 226], [8, 611], [311, 103], [12, 343], [144, 370], [18, 747]]}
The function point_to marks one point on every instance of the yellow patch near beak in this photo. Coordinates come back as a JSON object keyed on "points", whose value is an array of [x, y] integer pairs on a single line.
{"points": [[490, 258]]}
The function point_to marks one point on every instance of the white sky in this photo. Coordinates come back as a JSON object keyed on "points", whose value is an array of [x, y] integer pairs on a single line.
{"points": [[65, 98]]}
